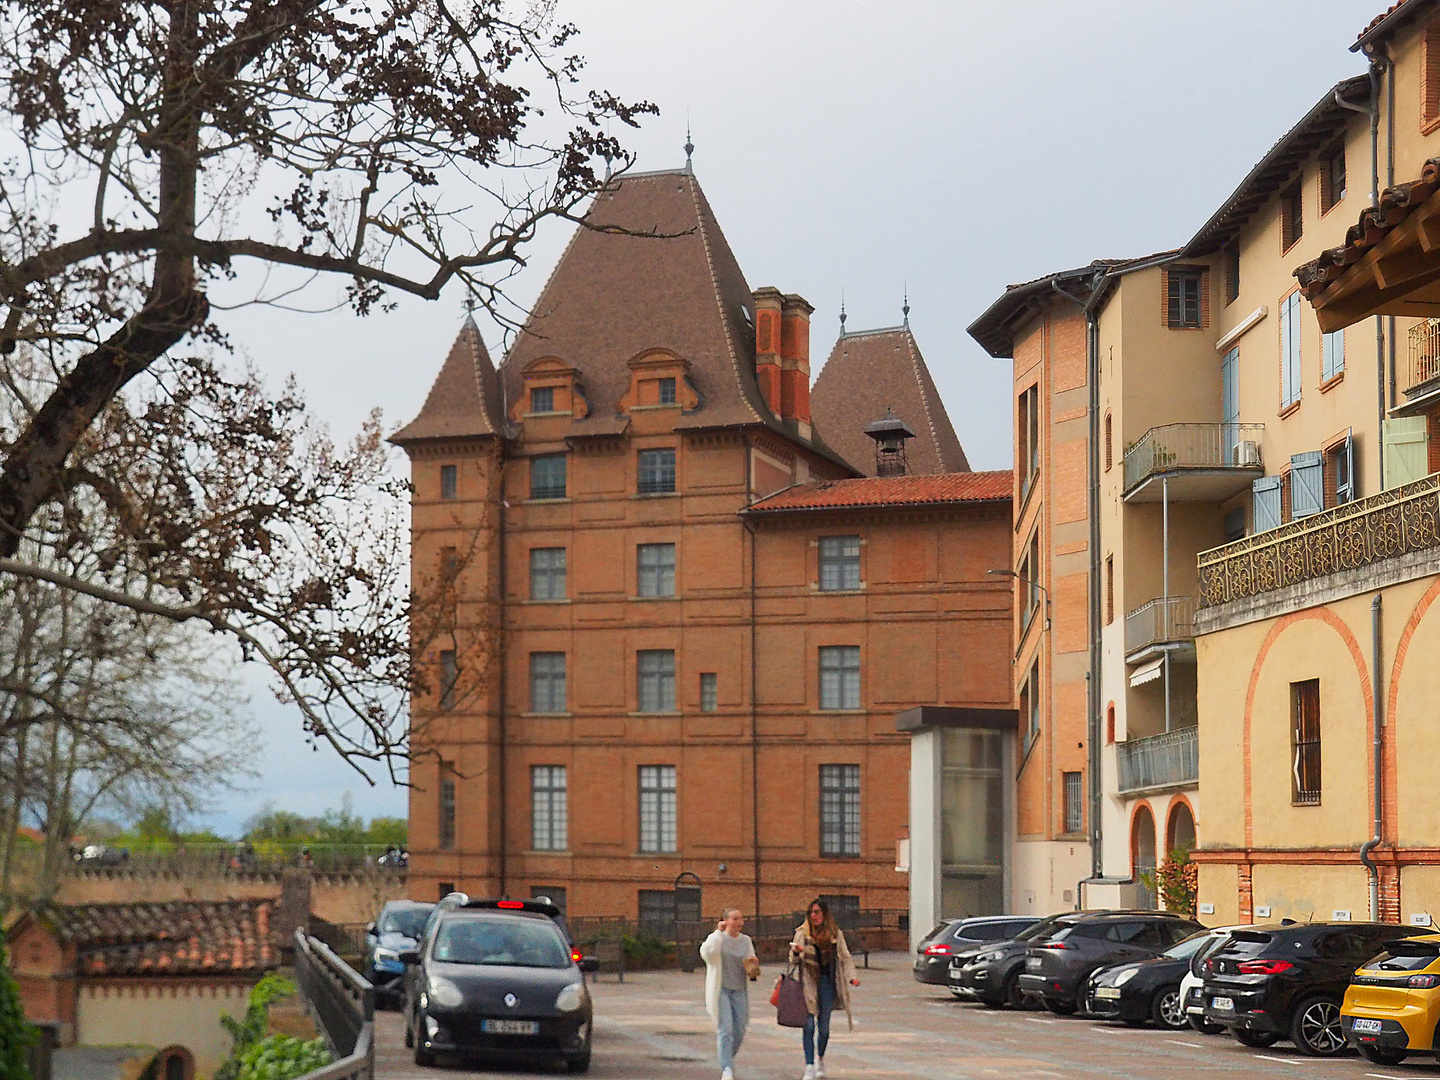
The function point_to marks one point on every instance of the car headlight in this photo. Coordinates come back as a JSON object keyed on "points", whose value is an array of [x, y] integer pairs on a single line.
{"points": [[988, 957], [570, 998], [445, 993], [1125, 976]]}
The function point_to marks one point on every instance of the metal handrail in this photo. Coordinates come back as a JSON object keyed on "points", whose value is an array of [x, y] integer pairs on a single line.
{"points": [[1158, 761], [343, 1004], [1162, 619], [1423, 355], [1189, 446]]}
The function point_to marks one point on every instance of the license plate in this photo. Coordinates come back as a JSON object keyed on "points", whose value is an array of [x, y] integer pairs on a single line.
{"points": [[1032, 963], [1367, 1025], [1222, 1004], [1107, 993], [510, 1027]]}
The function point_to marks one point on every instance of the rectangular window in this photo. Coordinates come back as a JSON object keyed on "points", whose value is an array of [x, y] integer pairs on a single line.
{"points": [[1307, 484], [449, 676], [1183, 299], [1028, 423], [840, 811], [547, 573], [845, 908], [547, 682], [549, 815], [542, 399], [1032, 704], [1340, 468], [655, 569], [657, 809], [547, 477], [667, 391], [447, 814], [1290, 350], [1292, 216], [1232, 272], [840, 676], [657, 912], [1109, 589], [1332, 177], [1074, 803], [709, 691], [449, 481], [655, 671], [1029, 578], [1265, 496], [1305, 741], [657, 472], [1230, 404], [1332, 355], [839, 563]]}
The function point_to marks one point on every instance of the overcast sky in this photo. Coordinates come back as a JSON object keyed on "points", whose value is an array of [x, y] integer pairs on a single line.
{"points": [[855, 145]]}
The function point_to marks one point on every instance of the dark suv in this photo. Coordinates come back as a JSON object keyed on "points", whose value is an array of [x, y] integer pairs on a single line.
{"points": [[991, 973], [1287, 982], [1058, 963], [955, 936]]}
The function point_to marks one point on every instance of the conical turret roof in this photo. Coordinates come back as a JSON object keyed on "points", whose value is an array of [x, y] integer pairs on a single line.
{"points": [[464, 401]]}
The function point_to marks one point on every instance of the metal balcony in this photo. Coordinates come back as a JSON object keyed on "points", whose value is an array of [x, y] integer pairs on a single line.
{"points": [[1161, 622], [1159, 761], [1198, 462], [1422, 366]]}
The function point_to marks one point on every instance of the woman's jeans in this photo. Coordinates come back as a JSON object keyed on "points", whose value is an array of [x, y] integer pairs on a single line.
{"points": [[825, 999], [730, 1031]]}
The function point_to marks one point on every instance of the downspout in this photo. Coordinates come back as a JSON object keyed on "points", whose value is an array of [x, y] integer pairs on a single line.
{"points": [[1376, 765], [754, 683], [504, 649]]}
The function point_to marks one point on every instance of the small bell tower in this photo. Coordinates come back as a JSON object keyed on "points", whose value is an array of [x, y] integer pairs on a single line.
{"points": [[890, 435]]}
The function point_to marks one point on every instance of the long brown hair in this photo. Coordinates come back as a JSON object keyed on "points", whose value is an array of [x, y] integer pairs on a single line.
{"points": [[828, 930]]}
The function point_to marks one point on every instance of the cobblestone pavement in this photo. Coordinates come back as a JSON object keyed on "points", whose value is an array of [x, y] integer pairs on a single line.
{"points": [[654, 1027]]}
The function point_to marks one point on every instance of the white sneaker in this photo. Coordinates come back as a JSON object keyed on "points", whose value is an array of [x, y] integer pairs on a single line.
{"points": [[809, 1073], [728, 1074], [819, 1068]]}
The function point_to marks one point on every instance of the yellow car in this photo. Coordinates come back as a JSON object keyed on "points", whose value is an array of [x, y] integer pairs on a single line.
{"points": [[1393, 1004]]}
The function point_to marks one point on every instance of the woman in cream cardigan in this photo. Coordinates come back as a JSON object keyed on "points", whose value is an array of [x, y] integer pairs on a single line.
{"points": [[826, 975]]}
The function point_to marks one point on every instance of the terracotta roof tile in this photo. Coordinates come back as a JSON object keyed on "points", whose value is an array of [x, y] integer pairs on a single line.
{"points": [[869, 373], [1374, 225], [179, 937], [464, 400], [881, 491]]}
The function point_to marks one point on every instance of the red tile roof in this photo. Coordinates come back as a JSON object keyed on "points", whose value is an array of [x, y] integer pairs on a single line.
{"points": [[886, 491], [183, 937], [1384, 17], [1374, 225]]}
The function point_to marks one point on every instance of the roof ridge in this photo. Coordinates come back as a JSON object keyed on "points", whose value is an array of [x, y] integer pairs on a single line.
{"points": [[910, 347]]}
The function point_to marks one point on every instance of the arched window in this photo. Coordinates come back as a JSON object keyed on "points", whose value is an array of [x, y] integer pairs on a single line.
{"points": [[1142, 850], [175, 1063], [1180, 833]]}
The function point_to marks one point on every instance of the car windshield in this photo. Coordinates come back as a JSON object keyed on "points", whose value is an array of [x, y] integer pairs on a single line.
{"points": [[512, 943], [407, 921], [1037, 930], [1189, 947]]}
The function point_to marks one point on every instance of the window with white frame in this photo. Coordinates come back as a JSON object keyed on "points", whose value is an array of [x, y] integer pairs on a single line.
{"points": [[657, 809], [549, 812], [839, 676], [547, 682], [1290, 366], [655, 569], [839, 563], [839, 811], [547, 573], [655, 677]]}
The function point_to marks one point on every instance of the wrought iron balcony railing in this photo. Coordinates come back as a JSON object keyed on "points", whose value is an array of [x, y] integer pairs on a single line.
{"points": [[1423, 356], [1348, 537], [1174, 447], [1159, 761], [1160, 621]]}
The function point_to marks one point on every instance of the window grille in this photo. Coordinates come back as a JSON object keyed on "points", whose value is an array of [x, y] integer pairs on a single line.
{"points": [[542, 399], [709, 691], [655, 569], [840, 811], [840, 677], [667, 391], [655, 669], [656, 472], [657, 809], [547, 682], [1305, 741], [547, 477], [839, 563], [1074, 803], [549, 821], [547, 573]]}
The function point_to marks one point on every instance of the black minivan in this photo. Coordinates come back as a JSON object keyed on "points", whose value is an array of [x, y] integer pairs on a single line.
{"points": [[1268, 983]]}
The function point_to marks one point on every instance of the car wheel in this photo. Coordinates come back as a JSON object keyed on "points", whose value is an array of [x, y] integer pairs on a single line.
{"points": [[1167, 1009], [1014, 996], [1256, 1039], [1316, 1030], [1381, 1055], [1060, 1008], [1203, 1026]]}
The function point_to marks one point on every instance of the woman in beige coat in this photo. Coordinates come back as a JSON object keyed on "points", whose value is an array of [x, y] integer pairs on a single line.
{"points": [[826, 975]]}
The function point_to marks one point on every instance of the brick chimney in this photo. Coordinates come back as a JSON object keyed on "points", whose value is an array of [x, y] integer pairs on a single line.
{"points": [[782, 355]]}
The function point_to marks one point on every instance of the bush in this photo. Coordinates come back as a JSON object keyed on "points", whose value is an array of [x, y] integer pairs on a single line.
{"points": [[16, 1033], [1175, 883], [646, 950], [247, 1033], [283, 1057]]}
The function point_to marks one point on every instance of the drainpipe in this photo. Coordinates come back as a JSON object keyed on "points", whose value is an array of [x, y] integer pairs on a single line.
{"points": [[1165, 588], [754, 681], [504, 648], [1376, 765]]}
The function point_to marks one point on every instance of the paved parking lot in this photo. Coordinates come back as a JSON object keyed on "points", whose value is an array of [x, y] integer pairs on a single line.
{"points": [[654, 1027]]}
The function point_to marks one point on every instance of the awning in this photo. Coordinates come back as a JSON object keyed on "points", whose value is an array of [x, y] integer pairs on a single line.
{"points": [[1147, 672]]}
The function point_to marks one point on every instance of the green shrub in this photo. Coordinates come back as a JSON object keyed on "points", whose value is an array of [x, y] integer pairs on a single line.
{"points": [[646, 950], [250, 1031], [283, 1057], [16, 1033]]}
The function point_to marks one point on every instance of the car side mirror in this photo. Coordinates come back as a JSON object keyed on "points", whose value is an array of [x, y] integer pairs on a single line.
{"points": [[370, 928], [589, 963], [409, 957]]}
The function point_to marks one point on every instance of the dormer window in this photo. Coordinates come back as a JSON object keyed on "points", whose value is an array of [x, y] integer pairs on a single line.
{"points": [[542, 399], [552, 388], [667, 391], [659, 380]]}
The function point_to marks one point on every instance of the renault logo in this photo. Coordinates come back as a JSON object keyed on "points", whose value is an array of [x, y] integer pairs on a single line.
{"points": [[510, 1000]]}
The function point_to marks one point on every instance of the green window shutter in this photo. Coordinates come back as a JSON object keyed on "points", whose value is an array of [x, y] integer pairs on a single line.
{"points": [[1407, 450]]}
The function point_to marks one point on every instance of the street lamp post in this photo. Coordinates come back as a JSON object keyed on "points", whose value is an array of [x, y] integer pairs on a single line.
{"points": [[1033, 584]]}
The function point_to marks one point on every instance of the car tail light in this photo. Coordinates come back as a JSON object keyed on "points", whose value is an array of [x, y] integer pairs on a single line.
{"points": [[1265, 967], [516, 904], [575, 955], [937, 950], [1055, 945], [1423, 982], [1211, 967]]}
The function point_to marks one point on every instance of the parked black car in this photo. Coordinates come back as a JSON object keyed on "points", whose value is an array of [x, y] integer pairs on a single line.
{"points": [[955, 936], [1275, 982], [990, 973], [1057, 964], [395, 930], [1146, 991], [501, 981]]}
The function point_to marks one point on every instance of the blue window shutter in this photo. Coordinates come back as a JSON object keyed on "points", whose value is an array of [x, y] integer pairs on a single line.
{"points": [[1307, 484], [1266, 498]]}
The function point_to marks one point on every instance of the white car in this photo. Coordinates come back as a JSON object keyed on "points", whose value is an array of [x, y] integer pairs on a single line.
{"points": [[1190, 986]]}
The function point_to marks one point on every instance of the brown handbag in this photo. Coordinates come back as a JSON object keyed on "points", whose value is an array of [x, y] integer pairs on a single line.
{"points": [[789, 999]]}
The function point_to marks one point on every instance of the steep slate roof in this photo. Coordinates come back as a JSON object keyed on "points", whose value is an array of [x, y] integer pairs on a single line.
{"points": [[881, 491], [464, 400], [874, 371], [181, 937]]}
